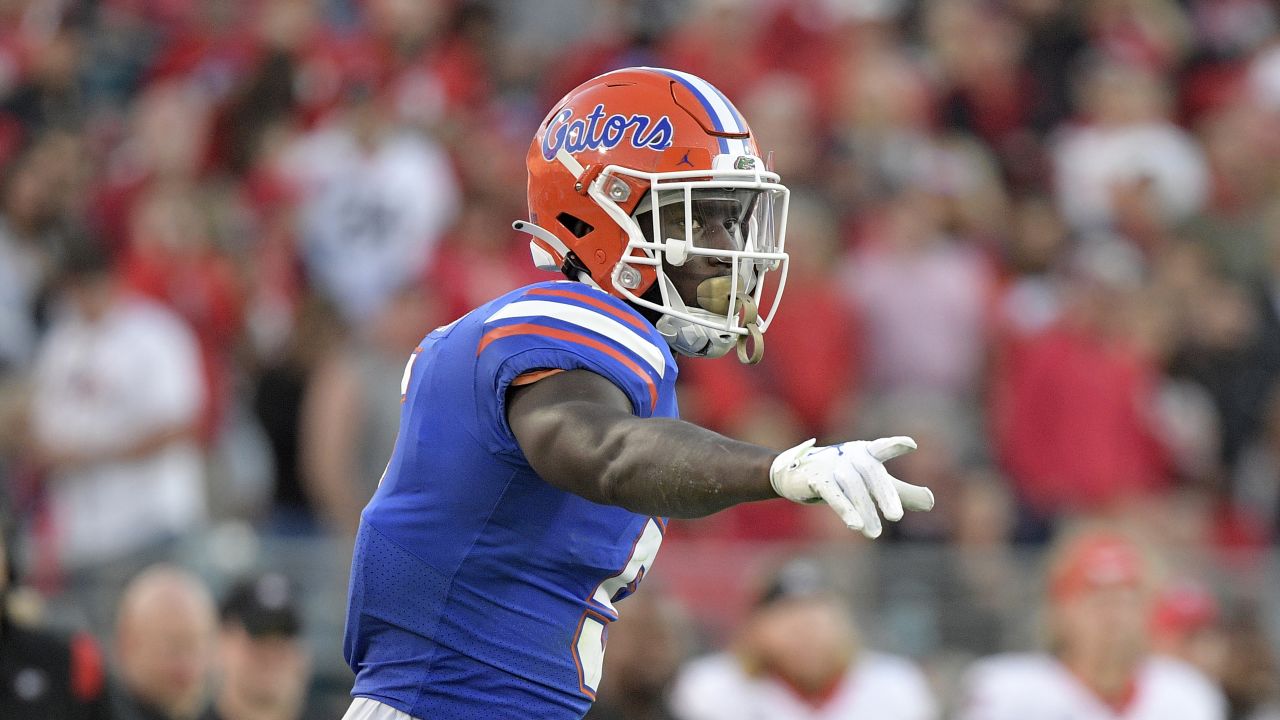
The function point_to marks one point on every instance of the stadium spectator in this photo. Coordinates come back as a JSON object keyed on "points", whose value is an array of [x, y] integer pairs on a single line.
{"points": [[264, 665], [42, 673], [166, 145], [374, 202], [278, 401], [351, 413], [1070, 411], [923, 297], [799, 657], [164, 646], [1127, 162], [879, 121], [434, 59], [171, 259], [1099, 663], [116, 397], [983, 88]]}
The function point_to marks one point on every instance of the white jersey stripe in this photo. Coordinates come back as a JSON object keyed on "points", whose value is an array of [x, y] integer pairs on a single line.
{"points": [[589, 320], [641, 558]]}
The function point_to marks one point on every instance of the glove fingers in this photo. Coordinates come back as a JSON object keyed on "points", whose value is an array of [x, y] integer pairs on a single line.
{"points": [[834, 496], [885, 491], [856, 490], [914, 497], [886, 449]]}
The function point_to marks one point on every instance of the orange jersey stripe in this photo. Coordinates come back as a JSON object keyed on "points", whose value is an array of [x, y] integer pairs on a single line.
{"points": [[534, 376], [558, 334], [634, 321]]}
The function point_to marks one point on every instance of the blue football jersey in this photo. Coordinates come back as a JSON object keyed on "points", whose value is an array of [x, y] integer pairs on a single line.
{"points": [[478, 590]]}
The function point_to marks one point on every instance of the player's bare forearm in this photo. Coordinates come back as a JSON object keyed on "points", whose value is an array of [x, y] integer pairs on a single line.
{"points": [[577, 431], [661, 466]]}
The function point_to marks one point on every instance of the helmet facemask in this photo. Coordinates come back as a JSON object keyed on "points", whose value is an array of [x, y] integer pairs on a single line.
{"points": [[718, 234]]}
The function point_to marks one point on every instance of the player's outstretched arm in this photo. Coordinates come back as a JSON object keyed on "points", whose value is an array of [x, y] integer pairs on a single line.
{"points": [[577, 431]]}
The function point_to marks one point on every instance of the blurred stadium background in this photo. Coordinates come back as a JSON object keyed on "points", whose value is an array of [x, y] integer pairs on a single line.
{"points": [[1041, 236]]}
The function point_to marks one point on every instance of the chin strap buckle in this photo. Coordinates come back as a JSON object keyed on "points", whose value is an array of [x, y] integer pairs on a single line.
{"points": [[750, 346]]}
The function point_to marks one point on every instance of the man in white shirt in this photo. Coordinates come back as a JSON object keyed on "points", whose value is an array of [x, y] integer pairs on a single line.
{"points": [[799, 658], [1130, 159], [1100, 667], [375, 200], [117, 393]]}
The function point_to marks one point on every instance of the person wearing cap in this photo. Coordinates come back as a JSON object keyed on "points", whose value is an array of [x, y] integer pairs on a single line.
{"points": [[799, 657], [264, 663], [1099, 665]]}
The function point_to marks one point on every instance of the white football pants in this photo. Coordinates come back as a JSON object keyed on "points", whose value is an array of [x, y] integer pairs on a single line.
{"points": [[366, 709]]}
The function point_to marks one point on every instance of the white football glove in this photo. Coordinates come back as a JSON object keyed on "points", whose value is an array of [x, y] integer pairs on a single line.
{"points": [[847, 477]]}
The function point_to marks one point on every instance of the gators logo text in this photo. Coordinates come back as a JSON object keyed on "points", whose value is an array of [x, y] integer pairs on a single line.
{"points": [[598, 130]]}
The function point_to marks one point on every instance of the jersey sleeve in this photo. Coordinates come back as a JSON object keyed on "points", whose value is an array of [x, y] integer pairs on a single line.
{"points": [[569, 328]]}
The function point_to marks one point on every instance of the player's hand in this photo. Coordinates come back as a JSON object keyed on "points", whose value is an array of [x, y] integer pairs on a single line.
{"points": [[850, 477]]}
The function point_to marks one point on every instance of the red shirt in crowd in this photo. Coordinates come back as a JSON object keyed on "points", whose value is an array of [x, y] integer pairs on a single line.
{"points": [[1070, 421]]}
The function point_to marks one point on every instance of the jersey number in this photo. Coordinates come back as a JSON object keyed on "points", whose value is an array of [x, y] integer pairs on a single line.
{"points": [[592, 634]]}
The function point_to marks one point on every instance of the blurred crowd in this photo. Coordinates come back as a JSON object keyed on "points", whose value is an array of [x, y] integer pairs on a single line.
{"points": [[1040, 236]]}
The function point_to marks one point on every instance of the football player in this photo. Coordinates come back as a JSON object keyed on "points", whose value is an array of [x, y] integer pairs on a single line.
{"points": [[540, 456]]}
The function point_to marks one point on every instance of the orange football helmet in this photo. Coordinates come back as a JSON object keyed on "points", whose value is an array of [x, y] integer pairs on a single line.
{"points": [[621, 166]]}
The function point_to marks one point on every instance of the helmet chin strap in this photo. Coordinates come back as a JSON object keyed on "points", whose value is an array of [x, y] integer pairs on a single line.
{"points": [[689, 338], [714, 294], [694, 340]]}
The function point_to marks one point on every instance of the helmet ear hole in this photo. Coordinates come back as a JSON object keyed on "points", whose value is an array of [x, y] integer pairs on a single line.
{"points": [[575, 225]]}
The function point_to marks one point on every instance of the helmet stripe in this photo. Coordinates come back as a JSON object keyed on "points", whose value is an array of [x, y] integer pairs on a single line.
{"points": [[709, 103], [722, 111], [737, 116]]}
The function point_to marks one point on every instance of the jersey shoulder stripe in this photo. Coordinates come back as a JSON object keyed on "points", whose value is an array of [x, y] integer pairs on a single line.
{"points": [[627, 317], [576, 338], [585, 319], [592, 297]]}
